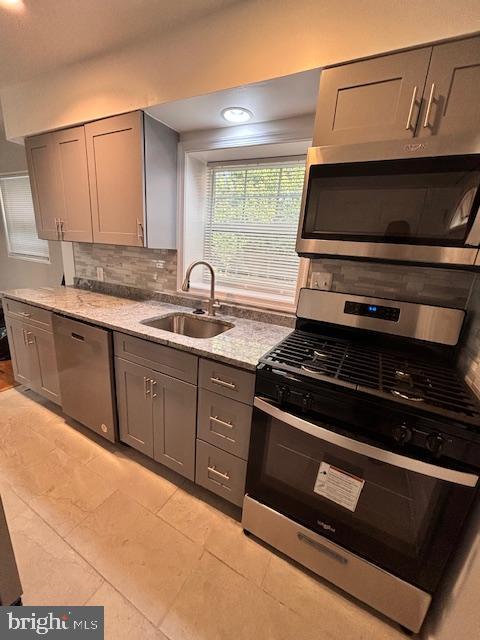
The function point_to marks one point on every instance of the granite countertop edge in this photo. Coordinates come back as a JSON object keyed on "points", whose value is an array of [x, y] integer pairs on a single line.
{"points": [[239, 349]]}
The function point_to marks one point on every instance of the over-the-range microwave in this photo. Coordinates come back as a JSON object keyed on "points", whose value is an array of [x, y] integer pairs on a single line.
{"points": [[394, 201]]}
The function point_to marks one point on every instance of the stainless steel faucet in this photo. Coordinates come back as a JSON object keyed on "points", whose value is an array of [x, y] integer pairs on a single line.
{"points": [[212, 305]]}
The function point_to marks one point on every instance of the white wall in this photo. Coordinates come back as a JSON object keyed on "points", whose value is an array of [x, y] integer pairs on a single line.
{"points": [[249, 41], [16, 273]]}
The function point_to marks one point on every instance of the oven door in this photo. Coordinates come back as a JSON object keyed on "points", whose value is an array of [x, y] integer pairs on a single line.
{"points": [[399, 513], [422, 209]]}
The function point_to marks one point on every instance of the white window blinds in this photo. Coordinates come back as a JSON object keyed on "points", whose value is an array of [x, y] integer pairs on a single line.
{"points": [[251, 224], [19, 218]]}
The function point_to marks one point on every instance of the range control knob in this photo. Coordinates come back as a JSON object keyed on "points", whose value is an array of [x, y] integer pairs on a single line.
{"points": [[435, 443], [307, 399], [402, 434], [282, 393]]}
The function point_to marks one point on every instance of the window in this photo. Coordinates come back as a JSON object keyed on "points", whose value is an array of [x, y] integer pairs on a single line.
{"points": [[19, 219], [251, 218]]}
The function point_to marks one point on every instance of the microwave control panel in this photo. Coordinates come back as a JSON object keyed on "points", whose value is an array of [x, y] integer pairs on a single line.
{"points": [[372, 311]]}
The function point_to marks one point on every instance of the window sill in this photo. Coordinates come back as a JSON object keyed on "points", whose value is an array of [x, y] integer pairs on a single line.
{"points": [[19, 256], [254, 299]]}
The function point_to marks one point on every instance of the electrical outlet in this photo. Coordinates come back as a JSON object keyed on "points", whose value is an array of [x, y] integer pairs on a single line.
{"points": [[159, 264], [322, 280], [100, 274]]}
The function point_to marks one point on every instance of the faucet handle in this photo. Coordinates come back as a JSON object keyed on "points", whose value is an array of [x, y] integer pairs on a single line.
{"points": [[217, 304]]}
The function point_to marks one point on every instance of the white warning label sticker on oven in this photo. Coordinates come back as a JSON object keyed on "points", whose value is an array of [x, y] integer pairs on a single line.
{"points": [[338, 486]]}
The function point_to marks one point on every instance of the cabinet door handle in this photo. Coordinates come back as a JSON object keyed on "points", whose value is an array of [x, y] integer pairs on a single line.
{"points": [[216, 472], [140, 231], [152, 384], [217, 420], [223, 383], [57, 226], [25, 342], [429, 106], [61, 223], [412, 105], [146, 387], [322, 548], [29, 333]]}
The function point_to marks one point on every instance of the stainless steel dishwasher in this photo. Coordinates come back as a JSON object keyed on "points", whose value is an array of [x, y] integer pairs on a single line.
{"points": [[85, 369]]}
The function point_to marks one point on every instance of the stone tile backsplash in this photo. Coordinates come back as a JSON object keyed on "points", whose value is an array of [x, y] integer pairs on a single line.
{"points": [[428, 285], [148, 269]]}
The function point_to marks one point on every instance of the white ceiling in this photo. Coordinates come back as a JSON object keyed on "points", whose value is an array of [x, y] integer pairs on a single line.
{"points": [[276, 99], [47, 34]]}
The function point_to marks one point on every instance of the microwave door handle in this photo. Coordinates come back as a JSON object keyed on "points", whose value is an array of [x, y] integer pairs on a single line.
{"points": [[395, 459]]}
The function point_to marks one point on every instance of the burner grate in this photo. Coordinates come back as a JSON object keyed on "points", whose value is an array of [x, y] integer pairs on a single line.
{"points": [[373, 370]]}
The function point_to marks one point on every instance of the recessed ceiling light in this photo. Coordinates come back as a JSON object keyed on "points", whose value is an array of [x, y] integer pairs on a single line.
{"points": [[238, 115], [14, 5]]}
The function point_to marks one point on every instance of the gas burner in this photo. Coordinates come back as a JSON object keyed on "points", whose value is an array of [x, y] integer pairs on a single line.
{"points": [[404, 376], [409, 393]]}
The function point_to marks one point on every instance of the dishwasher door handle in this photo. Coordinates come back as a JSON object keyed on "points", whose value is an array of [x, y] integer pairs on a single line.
{"points": [[77, 336]]}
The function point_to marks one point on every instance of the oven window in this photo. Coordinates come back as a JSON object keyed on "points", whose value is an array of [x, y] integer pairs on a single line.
{"points": [[415, 201], [404, 521]]}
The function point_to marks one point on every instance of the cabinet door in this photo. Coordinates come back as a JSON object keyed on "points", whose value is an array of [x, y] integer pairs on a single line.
{"points": [[71, 159], [371, 100], [452, 92], [44, 363], [115, 170], [134, 405], [174, 418], [40, 151], [20, 350]]}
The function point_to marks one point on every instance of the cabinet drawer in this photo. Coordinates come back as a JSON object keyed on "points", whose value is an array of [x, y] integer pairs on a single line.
{"points": [[33, 315], [223, 422], [227, 381], [173, 362], [220, 472]]}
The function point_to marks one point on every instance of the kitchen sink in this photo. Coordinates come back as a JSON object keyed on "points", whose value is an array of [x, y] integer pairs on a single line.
{"points": [[188, 325]]}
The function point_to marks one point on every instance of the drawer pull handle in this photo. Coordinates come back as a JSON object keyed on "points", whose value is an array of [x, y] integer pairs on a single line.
{"points": [[24, 314], [322, 548], [217, 420], [77, 336], [223, 383], [224, 476]]}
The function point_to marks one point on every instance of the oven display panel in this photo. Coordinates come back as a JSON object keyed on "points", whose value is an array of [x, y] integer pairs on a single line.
{"points": [[372, 311]]}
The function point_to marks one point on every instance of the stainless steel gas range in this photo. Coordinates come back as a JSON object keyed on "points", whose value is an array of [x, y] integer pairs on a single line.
{"points": [[365, 448]]}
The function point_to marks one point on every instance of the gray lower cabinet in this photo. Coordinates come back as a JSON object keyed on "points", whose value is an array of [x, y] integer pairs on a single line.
{"points": [[157, 415], [33, 358], [20, 351], [135, 411], [221, 472]]}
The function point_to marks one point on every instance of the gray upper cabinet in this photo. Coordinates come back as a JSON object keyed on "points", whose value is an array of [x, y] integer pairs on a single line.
{"points": [[174, 423], [71, 166], [452, 93], [113, 181], [115, 169], [370, 100], [41, 160]]}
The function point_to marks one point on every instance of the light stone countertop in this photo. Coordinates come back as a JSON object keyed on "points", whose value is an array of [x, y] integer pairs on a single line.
{"points": [[241, 346]]}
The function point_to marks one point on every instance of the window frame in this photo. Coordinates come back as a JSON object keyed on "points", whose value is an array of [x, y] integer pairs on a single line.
{"points": [[10, 252], [239, 146]]}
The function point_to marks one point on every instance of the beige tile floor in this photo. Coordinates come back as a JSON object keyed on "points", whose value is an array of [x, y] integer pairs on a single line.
{"points": [[94, 523]]}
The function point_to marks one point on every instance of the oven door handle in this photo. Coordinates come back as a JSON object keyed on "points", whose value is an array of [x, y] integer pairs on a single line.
{"points": [[404, 462]]}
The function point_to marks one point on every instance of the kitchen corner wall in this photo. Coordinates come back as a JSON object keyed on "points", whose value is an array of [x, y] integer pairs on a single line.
{"points": [[148, 269]]}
